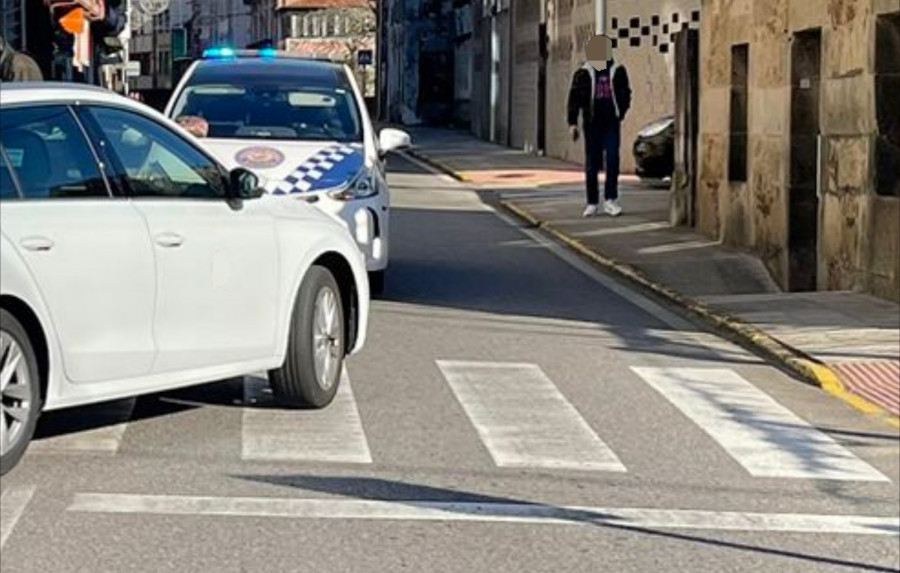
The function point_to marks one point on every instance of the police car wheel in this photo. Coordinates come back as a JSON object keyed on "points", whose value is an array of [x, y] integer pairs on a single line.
{"points": [[376, 282], [312, 368]]}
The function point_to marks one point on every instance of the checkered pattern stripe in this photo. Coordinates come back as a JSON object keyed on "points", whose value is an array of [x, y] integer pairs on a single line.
{"points": [[304, 178], [659, 31]]}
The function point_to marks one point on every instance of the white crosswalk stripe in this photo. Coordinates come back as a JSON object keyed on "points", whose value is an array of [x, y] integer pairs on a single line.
{"points": [[334, 434], [13, 501], [535, 514], [523, 419], [759, 433]]}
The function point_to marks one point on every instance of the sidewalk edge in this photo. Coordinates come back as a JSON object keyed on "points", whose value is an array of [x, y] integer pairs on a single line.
{"points": [[756, 339], [437, 164]]}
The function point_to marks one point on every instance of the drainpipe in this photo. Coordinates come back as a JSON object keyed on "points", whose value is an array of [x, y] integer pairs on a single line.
{"points": [[600, 16], [509, 70], [494, 70]]}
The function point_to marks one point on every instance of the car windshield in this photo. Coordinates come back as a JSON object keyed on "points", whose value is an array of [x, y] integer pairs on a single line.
{"points": [[248, 107]]}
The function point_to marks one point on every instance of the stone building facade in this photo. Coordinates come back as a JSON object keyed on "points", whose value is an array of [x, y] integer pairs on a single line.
{"points": [[799, 155]]}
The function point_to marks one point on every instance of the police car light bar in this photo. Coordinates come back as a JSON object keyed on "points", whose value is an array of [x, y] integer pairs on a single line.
{"points": [[265, 53], [218, 53]]}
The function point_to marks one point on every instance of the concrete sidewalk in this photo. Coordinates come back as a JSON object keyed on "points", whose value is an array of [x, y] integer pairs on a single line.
{"points": [[485, 164], [849, 343]]}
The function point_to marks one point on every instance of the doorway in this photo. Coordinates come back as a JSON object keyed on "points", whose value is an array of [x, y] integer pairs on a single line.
{"points": [[805, 161]]}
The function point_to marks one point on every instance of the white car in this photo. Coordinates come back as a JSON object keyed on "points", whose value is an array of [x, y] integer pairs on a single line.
{"points": [[301, 125], [133, 262]]}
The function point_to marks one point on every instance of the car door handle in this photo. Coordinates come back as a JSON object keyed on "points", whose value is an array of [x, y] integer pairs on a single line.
{"points": [[36, 243], [169, 240]]}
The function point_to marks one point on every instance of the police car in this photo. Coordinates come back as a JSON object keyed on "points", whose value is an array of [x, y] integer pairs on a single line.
{"points": [[301, 125]]}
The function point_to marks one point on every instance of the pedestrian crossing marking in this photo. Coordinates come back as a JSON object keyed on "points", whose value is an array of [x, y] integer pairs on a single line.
{"points": [[482, 512], [333, 434], [523, 419], [766, 438], [13, 501]]}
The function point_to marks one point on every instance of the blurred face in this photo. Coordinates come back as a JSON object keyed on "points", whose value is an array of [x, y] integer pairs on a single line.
{"points": [[598, 51]]}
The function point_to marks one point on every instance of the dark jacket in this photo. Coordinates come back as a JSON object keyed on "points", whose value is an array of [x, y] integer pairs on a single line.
{"points": [[16, 66], [581, 93]]}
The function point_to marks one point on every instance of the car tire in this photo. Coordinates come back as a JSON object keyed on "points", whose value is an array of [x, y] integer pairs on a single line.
{"points": [[21, 392], [311, 372], [376, 283]]}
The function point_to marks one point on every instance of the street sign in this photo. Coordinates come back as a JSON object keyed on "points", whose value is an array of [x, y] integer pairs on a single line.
{"points": [[364, 57], [133, 68]]}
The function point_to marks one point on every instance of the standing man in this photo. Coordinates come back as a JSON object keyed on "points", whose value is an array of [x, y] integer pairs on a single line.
{"points": [[16, 66], [601, 93]]}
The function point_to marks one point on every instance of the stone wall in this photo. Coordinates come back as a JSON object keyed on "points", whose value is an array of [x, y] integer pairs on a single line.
{"points": [[859, 241]]}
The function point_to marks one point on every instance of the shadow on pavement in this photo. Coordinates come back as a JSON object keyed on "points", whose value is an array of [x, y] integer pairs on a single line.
{"points": [[376, 489], [467, 260]]}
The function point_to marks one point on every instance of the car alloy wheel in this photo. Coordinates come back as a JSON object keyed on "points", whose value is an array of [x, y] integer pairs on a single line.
{"points": [[16, 401], [327, 337]]}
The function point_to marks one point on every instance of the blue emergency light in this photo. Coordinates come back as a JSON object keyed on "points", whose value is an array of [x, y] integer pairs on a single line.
{"points": [[218, 53]]}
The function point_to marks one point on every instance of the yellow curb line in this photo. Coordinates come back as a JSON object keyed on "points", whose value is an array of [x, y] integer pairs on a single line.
{"points": [[819, 374], [833, 385]]}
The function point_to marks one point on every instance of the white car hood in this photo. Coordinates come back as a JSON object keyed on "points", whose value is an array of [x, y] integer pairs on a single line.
{"points": [[291, 167]]}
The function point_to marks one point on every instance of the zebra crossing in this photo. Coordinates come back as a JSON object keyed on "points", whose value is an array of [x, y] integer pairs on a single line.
{"points": [[334, 434], [523, 420]]}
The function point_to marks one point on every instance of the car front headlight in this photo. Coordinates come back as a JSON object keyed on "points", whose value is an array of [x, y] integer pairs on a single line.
{"points": [[362, 186]]}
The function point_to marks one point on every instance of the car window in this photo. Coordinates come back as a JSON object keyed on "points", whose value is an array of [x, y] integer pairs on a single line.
{"points": [[47, 150], [7, 186], [155, 161], [252, 106]]}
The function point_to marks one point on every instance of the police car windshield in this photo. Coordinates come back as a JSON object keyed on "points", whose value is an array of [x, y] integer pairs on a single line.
{"points": [[259, 106]]}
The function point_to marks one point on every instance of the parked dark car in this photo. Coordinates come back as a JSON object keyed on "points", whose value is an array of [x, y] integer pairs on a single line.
{"points": [[654, 149]]}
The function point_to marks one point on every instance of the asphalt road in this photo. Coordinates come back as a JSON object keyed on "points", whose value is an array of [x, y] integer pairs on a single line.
{"points": [[514, 411]]}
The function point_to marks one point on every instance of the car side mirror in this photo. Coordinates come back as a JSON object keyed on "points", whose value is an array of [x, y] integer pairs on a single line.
{"points": [[392, 140], [243, 184]]}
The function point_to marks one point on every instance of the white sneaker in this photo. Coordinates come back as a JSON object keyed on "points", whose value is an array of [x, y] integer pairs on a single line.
{"points": [[590, 211], [612, 208]]}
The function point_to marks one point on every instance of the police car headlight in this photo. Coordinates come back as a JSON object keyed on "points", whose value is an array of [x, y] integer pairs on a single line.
{"points": [[362, 186]]}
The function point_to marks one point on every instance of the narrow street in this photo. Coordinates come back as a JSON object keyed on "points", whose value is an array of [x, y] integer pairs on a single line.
{"points": [[514, 411]]}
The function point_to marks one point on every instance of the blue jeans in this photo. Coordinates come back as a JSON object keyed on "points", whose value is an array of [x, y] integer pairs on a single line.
{"points": [[597, 143]]}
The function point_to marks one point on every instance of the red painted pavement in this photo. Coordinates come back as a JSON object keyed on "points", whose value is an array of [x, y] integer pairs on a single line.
{"points": [[533, 177], [878, 382]]}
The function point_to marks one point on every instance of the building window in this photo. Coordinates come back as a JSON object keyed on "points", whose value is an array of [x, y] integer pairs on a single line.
{"points": [[737, 151], [887, 86]]}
